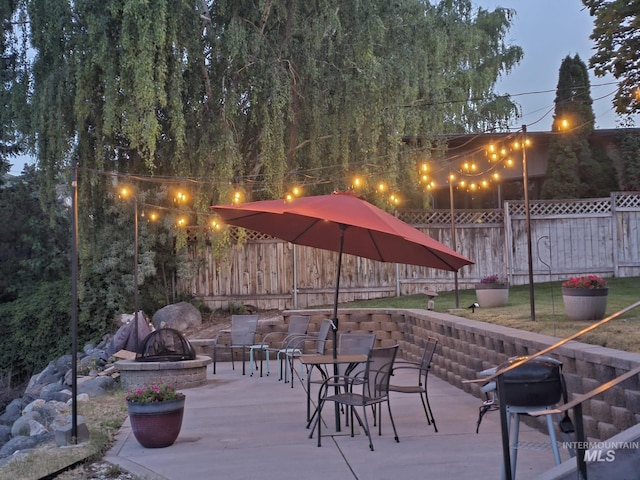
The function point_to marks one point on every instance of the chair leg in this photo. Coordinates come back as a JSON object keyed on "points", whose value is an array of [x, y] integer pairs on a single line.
{"points": [[365, 426], [214, 358], [393, 424], [318, 423], [427, 410], [252, 361]]}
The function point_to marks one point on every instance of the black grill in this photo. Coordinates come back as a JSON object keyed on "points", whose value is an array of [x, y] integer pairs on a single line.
{"points": [[537, 383], [165, 345]]}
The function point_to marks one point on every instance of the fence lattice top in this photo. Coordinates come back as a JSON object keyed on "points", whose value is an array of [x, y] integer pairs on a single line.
{"points": [[538, 208], [443, 217]]}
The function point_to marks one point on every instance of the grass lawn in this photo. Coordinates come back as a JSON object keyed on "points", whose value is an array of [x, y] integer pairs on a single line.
{"points": [[623, 333]]}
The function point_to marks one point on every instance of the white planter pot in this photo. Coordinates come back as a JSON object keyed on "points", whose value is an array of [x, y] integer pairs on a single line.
{"points": [[585, 303], [491, 295]]}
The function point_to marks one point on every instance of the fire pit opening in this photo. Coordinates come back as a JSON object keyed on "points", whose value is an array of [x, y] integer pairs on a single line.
{"points": [[165, 345]]}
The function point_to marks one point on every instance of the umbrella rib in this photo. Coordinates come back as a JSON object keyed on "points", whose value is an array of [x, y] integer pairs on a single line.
{"points": [[373, 241], [453, 269], [303, 232]]}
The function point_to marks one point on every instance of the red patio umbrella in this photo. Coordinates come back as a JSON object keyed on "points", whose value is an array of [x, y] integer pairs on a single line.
{"points": [[343, 223]]}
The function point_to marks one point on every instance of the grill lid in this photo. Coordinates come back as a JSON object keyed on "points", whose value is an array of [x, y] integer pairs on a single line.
{"points": [[534, 384], [165, 345]]}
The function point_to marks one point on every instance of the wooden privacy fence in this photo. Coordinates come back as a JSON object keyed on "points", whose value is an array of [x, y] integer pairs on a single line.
{"points": [[593, 236]]}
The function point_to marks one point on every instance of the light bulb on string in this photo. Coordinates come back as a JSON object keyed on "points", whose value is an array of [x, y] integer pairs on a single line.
{"points": [[238, 197], [215, 225], [180, 197]]}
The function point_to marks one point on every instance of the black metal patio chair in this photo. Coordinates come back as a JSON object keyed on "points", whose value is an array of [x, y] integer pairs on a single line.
{"points": [[369, 387], [420, 387]]}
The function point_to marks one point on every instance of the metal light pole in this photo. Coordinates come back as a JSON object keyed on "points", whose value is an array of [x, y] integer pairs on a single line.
{"points": [[74, 305], [453, 236], [124, 193], [135, 271], [525, 179]]}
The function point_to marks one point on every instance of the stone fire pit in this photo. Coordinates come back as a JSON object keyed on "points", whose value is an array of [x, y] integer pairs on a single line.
{"points": [[181, 374]]}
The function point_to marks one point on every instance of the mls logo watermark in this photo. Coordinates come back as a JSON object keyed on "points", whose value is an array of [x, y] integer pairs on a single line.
{"points": [[600, 451], [599, 455]]}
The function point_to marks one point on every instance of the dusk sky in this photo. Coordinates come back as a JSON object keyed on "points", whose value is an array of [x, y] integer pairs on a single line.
{"points": [[548, 31]]}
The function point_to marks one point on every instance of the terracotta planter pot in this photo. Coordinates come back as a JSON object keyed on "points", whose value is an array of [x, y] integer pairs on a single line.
{"points": [[585, 303], [492, 294], [157, 424]]}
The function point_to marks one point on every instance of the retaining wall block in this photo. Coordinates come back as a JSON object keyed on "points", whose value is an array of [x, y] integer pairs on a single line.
{"points": [[632, 400], [606, 430], [621, 417], [601, 410]]}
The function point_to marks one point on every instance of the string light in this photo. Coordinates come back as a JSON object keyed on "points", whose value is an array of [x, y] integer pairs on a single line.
{"points": [[215, 225], [125, 192], [180, 197], [496, 152], [238, 197]]}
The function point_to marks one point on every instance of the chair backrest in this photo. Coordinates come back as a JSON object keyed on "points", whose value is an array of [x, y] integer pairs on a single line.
{"points": [[378, 370], [243, 329], [427, 357], [296, 333], [298, 324], [323, 333], [353, 344]]}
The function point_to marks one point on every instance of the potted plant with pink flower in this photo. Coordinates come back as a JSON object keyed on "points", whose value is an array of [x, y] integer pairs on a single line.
{"points": [[585, 297], [492, 291], [155, 413]]}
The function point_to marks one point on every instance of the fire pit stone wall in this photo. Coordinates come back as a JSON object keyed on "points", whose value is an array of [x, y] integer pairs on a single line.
{"points": [[182, 374]]}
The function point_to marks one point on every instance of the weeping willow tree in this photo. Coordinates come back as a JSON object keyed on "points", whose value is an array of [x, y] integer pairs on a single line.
{"points": [[14, 117], [255, 95]]}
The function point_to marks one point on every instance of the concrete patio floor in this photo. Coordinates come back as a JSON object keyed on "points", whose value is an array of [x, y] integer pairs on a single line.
{"points": [[242, 427]]}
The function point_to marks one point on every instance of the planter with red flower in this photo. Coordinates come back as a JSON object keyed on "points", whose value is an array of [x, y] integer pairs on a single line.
{"points": [[155, 413], [492, 291], [585, 297]]}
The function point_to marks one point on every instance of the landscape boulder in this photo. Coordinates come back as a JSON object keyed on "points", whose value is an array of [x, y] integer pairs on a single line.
{"points": [[125, 338], [179, 316]]}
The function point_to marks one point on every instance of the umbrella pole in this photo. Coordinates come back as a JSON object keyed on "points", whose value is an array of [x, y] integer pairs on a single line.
{"points": [[334, 321], [335, 296]]}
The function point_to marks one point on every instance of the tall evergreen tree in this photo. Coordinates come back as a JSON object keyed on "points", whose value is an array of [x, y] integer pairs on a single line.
{"points": [[630, 155], [572, 170]]}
